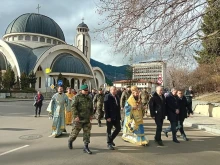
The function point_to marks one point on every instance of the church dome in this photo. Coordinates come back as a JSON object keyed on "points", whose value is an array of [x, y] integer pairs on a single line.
{"points": [[82, 25], [35, 23]]}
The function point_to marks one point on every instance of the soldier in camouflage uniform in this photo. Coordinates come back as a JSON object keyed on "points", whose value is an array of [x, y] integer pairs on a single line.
{"points": [[124, 97], [98, 103], [144, 97], [82, 115]]}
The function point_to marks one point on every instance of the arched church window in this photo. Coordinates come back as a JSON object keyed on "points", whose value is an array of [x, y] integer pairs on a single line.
{"points": [[34, 38], [28, 38], [39, 68], [39, 82], [20, 37], [48, 40], [42, 39]]}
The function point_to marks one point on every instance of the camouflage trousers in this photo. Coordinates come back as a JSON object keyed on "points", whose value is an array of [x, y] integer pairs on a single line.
{"points": [[99, 114], [77, 126]]}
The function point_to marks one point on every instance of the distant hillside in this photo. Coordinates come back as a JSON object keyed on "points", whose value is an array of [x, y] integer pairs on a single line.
{"points": [[110, 71]]}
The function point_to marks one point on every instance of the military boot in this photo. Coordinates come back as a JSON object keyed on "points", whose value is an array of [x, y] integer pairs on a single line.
{"points": [[70, 144], [86, 149]]}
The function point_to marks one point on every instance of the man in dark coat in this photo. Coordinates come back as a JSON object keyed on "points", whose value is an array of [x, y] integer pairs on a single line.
{"points": [[157, 107], [112, 116], [185, 111], [38, 103], [173, 112]]}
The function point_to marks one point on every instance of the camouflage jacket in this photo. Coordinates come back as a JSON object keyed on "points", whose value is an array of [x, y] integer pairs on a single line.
{"points": [[98, 101], [124, 97], [82, 107], [144, 97]]}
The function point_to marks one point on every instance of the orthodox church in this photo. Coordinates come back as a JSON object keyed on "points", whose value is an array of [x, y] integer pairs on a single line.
{"points": [[35, 42]]}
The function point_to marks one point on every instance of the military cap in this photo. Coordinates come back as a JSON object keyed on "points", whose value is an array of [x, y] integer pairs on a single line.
{"points": [[83, 87]]}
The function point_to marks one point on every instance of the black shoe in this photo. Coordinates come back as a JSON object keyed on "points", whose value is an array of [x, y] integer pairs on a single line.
{"points": [[70, 144], [35, 116], [160, 143], [113, 144], [86, 149], [185, 138], [176, 141], [110, 147], [99, 124], [165, 133]]}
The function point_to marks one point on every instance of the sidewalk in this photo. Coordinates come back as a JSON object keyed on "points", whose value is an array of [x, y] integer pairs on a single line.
{"points": [[16, 99], [204, 123]]}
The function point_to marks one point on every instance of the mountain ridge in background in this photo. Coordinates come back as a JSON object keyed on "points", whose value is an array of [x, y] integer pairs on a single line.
{"points": [[112, 73]]}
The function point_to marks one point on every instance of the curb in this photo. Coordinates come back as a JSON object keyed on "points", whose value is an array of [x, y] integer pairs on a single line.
{"points": [[202, 127]]}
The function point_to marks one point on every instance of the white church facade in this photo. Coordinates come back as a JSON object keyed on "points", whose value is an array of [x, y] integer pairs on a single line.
{"points": [[34, 42]]}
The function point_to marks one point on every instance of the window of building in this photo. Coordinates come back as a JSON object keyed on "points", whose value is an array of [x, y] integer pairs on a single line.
{"points": [[48, 40], [28, 38], [15, 38], [34, 38], [39, 68], [20, 37], [39, 82], [42, 39]]}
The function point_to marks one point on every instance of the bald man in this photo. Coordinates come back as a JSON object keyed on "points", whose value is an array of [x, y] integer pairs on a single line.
{"points": [[157, 107]]}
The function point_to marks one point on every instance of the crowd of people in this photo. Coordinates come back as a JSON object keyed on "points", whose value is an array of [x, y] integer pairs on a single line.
{"points": [[123, 110]]}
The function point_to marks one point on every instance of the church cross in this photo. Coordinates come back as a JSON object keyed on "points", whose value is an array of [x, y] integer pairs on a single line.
{"points": [[38, 8], [82, 19]]}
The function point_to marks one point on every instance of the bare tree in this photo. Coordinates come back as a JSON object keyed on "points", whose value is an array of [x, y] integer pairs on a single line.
{"points": [[148, 26]]}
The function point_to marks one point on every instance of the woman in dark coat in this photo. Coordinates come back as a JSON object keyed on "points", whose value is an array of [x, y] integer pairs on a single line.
{"points": [[38, 103]]}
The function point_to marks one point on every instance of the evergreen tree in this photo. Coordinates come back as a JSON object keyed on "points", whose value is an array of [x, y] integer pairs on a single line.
{"points": [[8, 79], [32, 79], [211, 34], [24, 80]]}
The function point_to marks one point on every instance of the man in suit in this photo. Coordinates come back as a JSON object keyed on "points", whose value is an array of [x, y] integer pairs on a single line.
{"points": [[185, 111], [173, 111], [157, 107], [112, 116]]}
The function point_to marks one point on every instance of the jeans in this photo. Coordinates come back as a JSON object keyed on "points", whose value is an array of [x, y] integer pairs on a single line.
{"points": [[169, 129], [112, 136]]}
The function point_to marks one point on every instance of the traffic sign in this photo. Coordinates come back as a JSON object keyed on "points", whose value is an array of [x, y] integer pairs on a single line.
{"points": [[60, 82], [52, 86]]}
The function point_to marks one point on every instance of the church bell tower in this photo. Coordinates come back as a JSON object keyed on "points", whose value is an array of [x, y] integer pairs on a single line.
{"points": [[82, 40]]}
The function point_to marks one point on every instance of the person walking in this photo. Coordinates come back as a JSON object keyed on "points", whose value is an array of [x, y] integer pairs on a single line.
{"points": [[124, 97], [68, 114], [133, 129], [173, 111], [157, 105], [144, 97], [56, 108], [38, 103], [112, 116], [98, 104], [189, 95], [82, 116]]}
